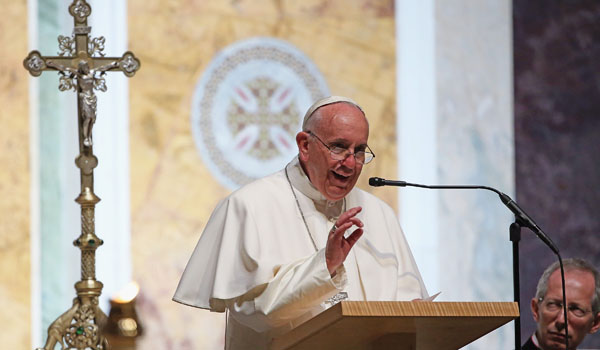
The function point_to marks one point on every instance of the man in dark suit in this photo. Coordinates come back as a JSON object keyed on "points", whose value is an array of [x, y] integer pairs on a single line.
{"points": [[582, 283]]}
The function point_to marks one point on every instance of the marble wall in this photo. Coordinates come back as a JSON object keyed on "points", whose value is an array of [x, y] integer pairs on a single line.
{"points": [[172, 190], [557, 131], [475, 146], [15, 263], [459, 131], [474, 137]]}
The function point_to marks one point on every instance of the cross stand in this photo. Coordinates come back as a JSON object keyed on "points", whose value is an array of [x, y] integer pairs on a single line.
{"points": [[82, 66]]}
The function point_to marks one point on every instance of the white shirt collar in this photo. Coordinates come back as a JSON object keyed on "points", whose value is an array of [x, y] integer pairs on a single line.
{"points": [[535, 341], [302, 183]]}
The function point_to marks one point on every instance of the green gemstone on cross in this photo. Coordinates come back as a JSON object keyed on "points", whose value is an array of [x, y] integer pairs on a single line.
{"points": [[91, 242], [79, 331]]}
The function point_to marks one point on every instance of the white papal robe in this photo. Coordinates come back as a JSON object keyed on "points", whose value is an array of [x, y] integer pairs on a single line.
{"points": [[256, 258]]}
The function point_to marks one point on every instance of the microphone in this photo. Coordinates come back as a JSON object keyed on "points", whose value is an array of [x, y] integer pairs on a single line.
{"points": [[377, 182], [522, 218]]}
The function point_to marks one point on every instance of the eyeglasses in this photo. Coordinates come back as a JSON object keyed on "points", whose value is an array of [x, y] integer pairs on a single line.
{"points": [[341, 153], [553, 306]]}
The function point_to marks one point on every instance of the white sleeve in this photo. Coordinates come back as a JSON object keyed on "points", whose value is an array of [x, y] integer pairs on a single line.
{"points": [[296, 289]]}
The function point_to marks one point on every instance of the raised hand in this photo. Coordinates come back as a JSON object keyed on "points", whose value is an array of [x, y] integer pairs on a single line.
{"points": [[338, 247]]}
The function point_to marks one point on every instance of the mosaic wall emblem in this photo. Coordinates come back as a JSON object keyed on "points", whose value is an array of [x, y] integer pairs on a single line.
{"points": [[248, 106]]}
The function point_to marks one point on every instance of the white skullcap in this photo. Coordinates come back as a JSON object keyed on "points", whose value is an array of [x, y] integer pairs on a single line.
{"points": [[327, 101]]}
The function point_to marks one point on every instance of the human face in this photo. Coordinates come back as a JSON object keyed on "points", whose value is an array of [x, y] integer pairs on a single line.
{"points": [[340, 125], [550, 319]]}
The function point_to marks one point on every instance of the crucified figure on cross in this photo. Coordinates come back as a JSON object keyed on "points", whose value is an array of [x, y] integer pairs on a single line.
{"points": [[87, 82]]}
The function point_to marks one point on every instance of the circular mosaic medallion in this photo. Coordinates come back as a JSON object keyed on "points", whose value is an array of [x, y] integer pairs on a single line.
{"points": [[248, 106]]}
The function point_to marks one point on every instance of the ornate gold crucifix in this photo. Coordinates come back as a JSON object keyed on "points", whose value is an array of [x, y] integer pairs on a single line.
{"points": [[81, 65]]}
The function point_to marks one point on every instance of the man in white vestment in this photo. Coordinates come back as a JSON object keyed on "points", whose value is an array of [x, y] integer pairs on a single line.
{"points": [[283, 248]]}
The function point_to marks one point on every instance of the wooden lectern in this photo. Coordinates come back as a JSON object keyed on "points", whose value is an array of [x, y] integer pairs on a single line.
{"points": [[379, 325]]}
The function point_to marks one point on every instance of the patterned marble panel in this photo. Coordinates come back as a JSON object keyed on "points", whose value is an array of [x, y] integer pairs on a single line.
{"points": [[557, 131], [14, 180], [475, 146], [173, 192]]}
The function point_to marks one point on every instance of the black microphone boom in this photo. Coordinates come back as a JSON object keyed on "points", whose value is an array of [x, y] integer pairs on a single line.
{"points": [[526, 221], [522, 218]]}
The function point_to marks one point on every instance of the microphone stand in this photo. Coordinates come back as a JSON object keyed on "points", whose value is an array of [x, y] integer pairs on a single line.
{"points": [[521, 220], [515, 237]]}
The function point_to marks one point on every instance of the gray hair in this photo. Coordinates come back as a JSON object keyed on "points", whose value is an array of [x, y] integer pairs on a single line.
{"points": [[571, 264], [321, 103]]}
